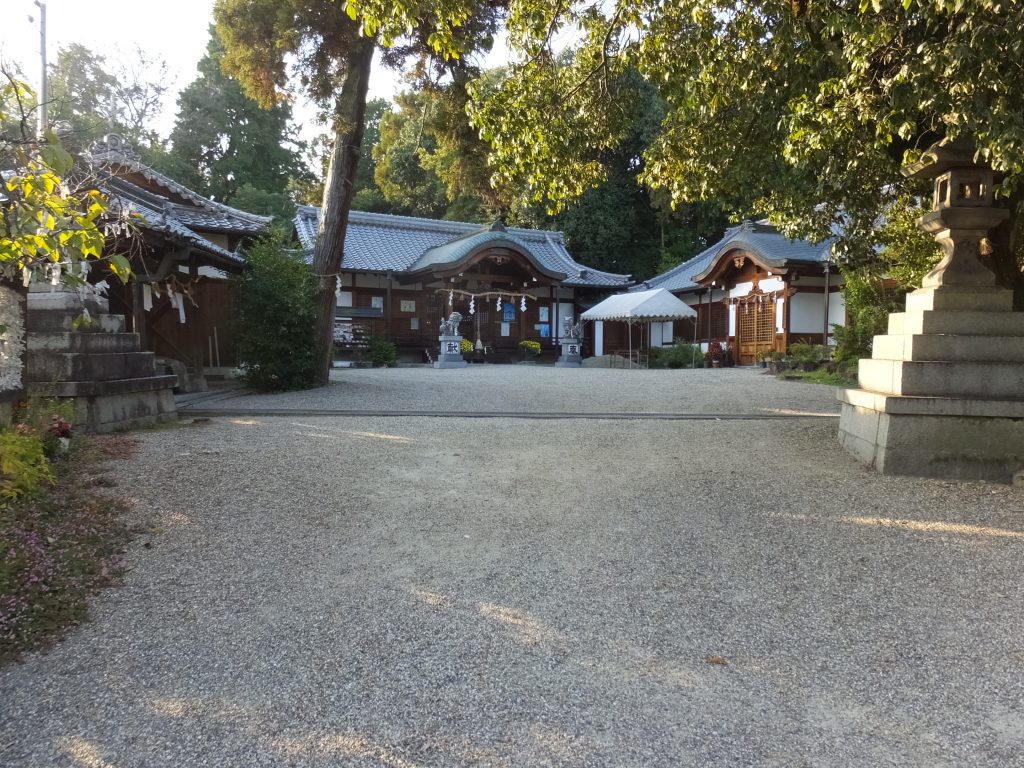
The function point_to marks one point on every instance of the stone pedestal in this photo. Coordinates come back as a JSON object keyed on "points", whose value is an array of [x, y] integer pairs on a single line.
{"points": [[943, 393], [450, 355], [571, 356], [103, 369]]}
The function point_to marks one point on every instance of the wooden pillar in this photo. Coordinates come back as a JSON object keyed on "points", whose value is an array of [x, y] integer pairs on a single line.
{"points": [[388, 309]]}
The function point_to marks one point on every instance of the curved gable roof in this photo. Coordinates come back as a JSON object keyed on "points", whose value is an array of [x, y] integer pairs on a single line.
{"points": [[379, 242], [761, 240]]}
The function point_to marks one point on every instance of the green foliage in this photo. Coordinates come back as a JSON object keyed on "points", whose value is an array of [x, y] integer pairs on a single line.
{"points": [[382, 352], [45, 218], [679, 355], [805, 352], [801, 111], [47, 419], [92, 98], [868, 305], [530, 347], [465, 346], [908, 253], [226, 146], [275, 317], [24, 467]]}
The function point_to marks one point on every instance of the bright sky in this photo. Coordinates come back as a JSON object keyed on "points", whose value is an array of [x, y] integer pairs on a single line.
{"points": [[176, 32]]}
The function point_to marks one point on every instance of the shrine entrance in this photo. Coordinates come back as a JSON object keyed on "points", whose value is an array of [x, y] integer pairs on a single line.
{"points": [[755, 328]]}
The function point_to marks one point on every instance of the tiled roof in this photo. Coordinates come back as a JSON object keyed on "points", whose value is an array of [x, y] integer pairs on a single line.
{"points": [[378, 242], [206, 213], [158, 215], [164, 212], [761, 239]]}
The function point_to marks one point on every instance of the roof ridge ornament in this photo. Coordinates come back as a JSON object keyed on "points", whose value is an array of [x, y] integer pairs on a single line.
{"points": [[497, 225], [115, 142]]}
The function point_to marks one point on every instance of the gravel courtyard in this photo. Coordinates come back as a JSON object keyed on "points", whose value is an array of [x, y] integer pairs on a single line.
{"points": [[412, 591]]}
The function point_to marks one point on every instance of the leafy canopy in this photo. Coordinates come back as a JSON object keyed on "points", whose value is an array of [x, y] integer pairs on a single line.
{"points": [[799, 109], [43, 220]]}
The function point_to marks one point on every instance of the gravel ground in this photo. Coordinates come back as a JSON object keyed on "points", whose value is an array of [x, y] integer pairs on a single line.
{"points": [[410, 592], [534, 388]]}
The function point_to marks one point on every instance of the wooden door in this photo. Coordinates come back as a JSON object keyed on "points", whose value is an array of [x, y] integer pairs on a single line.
{"points": [[755, 329]]}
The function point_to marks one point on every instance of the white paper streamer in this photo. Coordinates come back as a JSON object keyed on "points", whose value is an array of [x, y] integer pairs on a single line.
{"points": [[147, 297]]}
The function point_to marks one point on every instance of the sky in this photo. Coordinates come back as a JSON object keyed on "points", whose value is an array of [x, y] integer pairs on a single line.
{"points": [[176, 32]]}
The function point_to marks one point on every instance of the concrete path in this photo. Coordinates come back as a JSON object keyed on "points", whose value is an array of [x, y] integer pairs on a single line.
{"points": [[423, 591]]}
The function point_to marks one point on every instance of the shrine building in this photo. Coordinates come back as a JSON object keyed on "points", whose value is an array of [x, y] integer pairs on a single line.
{"points": [[402, 276]]}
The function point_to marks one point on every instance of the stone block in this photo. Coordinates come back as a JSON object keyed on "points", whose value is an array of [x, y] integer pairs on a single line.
{"points": [[917, 347], [88, 343], [46, 365], [982, 380], [970, 323], [961, 299]]}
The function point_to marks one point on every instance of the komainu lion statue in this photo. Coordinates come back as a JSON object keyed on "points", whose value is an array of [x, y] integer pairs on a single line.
{"points": [[450, 327]]}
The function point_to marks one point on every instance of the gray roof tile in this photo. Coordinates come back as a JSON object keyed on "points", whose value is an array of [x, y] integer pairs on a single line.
{"points": [[378, 242], [763, 240]]}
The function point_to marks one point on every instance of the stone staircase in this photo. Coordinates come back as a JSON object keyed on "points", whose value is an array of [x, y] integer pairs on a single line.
{"points": [[113, 382]]}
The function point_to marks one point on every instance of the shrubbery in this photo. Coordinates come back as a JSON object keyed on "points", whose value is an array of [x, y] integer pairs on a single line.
{"points": [[679, 355], [275, 319], [382, 353]]}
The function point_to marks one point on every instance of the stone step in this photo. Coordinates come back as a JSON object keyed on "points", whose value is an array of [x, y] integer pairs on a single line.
{"points": [[73, 341], [54, 321], [100, 388], [972, 299], [992, 380], [970, 323], [952, 347], [78, 366]]}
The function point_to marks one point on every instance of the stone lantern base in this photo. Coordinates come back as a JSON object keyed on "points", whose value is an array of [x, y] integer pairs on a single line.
{"points": [[943, 393]]}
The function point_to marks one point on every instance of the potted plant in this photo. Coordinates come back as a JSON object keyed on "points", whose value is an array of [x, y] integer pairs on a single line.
{"points": [[762, 357], [717, 353], [466, 348], [530, 349], [778, 361]]}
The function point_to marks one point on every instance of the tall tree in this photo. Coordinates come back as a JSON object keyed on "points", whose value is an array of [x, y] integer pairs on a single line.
{"points": [[224, 144], [801, 110], [92, 98], [332, 46]]}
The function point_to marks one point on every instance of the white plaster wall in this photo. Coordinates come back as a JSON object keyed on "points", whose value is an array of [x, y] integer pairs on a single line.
{"points": [[836, 310], [780, 315], [732, 320], [807, 313], [598, 337], [661, 334], [741, 289], [772, 284]]}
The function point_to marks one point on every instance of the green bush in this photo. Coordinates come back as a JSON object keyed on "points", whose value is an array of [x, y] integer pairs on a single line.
{"points": [[466, 346], [275, 319], [679, 355], [23, 465], [805, 352], [382, 353]]}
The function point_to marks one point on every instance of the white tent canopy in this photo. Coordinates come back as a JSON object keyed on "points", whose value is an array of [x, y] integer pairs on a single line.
{"points": [[657, 306], [643, 306]]}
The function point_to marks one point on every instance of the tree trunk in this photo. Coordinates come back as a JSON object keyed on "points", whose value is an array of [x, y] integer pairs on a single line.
{"points": [[339, 189], [1005, 248]]}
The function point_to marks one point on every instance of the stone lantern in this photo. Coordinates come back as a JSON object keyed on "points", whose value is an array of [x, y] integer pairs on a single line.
{"points": [[943, 392], [963, 211]]}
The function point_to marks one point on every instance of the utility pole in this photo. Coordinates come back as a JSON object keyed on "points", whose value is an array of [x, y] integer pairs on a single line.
{"points": [[44, 95]]}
